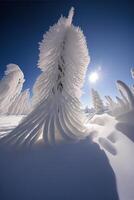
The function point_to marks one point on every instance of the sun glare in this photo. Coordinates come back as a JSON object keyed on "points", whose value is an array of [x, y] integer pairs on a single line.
{"points": [[93, 77]]}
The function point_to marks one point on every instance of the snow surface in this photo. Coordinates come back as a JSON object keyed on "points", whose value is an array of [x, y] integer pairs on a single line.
{"points": [[119, 150], [117, 146]]}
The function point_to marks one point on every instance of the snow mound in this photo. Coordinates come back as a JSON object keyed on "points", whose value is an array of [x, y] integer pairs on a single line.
{"points": [[115, 138]]}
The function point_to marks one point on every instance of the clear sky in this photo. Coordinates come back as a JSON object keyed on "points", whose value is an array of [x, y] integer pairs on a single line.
{"points": [[107, 25]]}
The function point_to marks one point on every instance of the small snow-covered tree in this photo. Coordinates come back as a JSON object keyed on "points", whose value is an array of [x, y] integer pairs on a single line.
{"points": [[10, 86], [57, 113], [86, 109], [97, 102], [21, 105], [132, 72]]}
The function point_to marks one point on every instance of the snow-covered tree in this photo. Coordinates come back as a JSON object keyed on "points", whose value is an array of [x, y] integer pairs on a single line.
{"points": [[57, 113], [97, 102], [10, 86], [132, 72], [111, 105], [126, 93], [21, 105], [125, 103], [86, 109]]}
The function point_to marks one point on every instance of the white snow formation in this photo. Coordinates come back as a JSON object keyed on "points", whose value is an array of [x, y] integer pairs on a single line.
{"points": [[21, 105], [117, 140], [57, 113], [97, 102], [123, 104], [10, 86]]}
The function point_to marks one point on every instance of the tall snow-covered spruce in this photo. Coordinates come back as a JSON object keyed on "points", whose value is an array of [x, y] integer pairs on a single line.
{"points": [[57, 114]]}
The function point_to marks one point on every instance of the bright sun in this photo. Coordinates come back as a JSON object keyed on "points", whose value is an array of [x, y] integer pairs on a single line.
{"points": [[93, 77]]}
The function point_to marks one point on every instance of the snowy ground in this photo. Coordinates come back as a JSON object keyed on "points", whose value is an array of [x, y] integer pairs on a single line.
{"points": [[117, 146], [119, 150]]}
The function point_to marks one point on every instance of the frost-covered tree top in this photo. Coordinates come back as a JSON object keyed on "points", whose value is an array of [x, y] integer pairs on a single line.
{"points": [[63, 60], [57, 113], [10, 86]]}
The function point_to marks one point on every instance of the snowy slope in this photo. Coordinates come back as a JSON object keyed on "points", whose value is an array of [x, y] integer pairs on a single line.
{"points": [[117, 146], [119, 150]]}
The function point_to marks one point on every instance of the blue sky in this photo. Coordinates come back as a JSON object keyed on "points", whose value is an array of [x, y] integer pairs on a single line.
{"points": [[107, 25]]}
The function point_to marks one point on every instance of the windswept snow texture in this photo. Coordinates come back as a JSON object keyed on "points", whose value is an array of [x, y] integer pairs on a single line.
{"points": [[57, 113], [115, 138], [8, 123], [21, 105], [10, 87]]}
